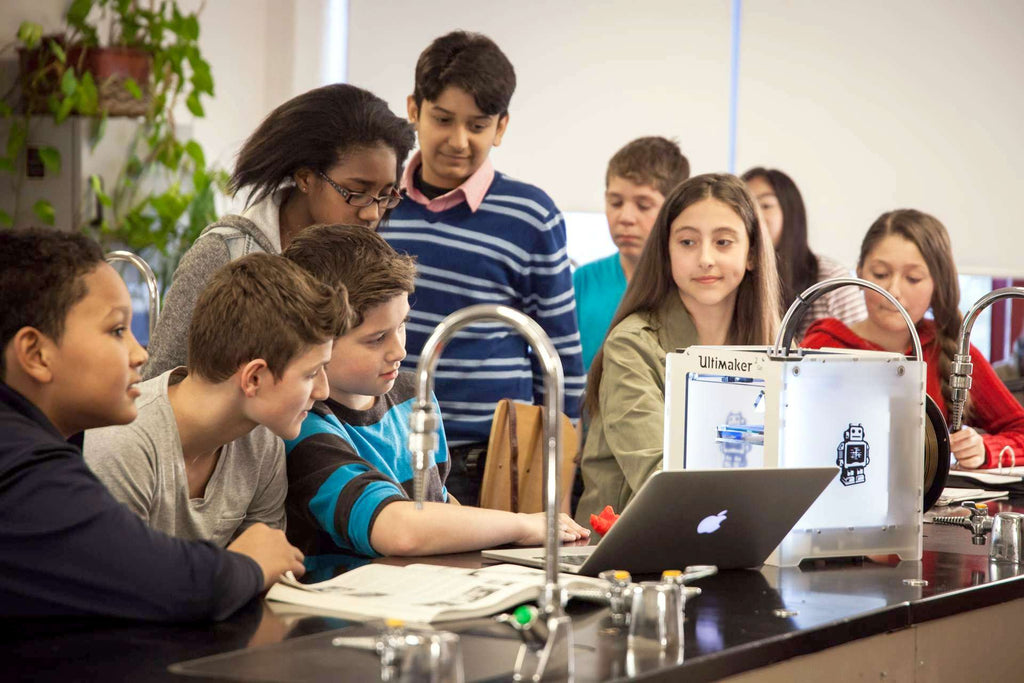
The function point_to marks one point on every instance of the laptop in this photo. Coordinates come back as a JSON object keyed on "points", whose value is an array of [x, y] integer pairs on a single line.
{"points": [[732, 518]]}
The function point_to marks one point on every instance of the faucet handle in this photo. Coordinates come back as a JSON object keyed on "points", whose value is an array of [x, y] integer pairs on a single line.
{"points": [[619, 593], [976, 509]]}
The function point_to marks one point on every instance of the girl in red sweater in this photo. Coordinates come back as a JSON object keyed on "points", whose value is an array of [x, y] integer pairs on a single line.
{"points": [[908, 253]]}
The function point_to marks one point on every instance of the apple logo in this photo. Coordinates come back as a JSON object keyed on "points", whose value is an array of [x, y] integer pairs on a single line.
{"points": [[709, 525]]}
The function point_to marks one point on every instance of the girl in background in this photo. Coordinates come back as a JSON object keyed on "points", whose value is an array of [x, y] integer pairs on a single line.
{"points": [[786, 219], [908, 253], [706, 276], [330, 155]]}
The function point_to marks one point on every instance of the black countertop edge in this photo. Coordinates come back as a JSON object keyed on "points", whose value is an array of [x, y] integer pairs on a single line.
{"points": [[966, 599], [765, 652]]}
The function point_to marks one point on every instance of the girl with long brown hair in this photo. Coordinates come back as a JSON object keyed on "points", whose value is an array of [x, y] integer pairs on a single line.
{"points": [[706, 276], [909, 254]]}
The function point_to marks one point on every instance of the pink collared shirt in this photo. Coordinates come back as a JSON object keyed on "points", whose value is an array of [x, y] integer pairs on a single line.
{"points": [[472, 191]]}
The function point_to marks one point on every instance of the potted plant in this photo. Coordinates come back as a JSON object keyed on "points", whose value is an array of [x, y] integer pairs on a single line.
{"points": [[143, 65]]}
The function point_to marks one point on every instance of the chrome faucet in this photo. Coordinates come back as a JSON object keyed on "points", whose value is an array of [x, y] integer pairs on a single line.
{"points": [[148, 276], [788, 328], [960, 377], [977, 521], [551, 653]]}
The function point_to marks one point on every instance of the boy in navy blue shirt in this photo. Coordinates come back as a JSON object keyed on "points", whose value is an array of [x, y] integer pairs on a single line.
{"points": [[70, 363], [479, 236], [350, 469]]}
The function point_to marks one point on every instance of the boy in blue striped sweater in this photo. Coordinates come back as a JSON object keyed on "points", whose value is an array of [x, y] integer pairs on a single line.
{"points": [[479, 237], [350, 469]]}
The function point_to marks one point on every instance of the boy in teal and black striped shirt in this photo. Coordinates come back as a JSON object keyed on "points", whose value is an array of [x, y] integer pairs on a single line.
{"points": [[350, 469]]}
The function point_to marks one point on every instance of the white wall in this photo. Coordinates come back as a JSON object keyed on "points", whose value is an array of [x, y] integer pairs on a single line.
{"points": [[590, 77], [261, 53], [876, 105], [869, 106]]}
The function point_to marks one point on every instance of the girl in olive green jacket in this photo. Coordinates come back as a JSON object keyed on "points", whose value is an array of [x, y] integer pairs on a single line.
{"points": [[706, 276]]}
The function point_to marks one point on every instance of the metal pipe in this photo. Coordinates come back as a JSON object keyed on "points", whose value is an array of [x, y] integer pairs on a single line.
{"points": [[787, 330], [960, 377], [423, 441], [148, 276]]}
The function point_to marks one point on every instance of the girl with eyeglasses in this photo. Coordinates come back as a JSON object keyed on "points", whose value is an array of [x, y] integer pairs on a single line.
{"points": [[332, 155]]}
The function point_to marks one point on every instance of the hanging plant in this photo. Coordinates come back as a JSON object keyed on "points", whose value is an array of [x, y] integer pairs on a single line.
{"points": [[148, 62]]}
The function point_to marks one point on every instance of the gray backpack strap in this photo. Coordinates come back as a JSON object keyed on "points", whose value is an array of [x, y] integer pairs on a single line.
{"points": [[236, 232]]}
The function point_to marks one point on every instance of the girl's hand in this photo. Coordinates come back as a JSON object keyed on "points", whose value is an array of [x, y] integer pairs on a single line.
{"points": [[968, 448], [535, 528]]}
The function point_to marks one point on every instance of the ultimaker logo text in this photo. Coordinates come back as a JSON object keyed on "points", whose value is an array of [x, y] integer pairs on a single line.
{"points": [[712, 363]]}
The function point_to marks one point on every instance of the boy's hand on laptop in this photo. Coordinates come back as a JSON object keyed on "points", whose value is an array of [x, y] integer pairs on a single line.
{"points": [[536, 525], [271, 551]]}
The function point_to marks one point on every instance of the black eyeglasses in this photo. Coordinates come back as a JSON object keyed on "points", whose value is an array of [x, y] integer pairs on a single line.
{"points": [[362, 199]]}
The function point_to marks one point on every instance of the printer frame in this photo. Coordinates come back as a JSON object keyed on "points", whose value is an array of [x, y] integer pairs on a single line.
{"points": [[863, 411]]}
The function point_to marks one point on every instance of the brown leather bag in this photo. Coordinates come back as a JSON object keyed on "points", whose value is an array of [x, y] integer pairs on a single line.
{"points": [[514, 470]]}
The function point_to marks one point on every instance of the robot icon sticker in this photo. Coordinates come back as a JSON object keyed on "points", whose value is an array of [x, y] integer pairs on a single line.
{"points": [[852, 455], [710, 524]]}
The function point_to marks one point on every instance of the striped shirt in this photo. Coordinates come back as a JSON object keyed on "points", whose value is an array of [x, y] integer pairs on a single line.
{"points": [[511, 251], [346, 465], [845, 304]]}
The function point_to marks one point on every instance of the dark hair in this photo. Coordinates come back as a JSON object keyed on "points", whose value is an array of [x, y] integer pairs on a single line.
{"points": [[260, 306], [654, 161], [798, 266], [42, 275], [755, 318], [316, 130], [470, 62], [357, 259], [929, 235]]}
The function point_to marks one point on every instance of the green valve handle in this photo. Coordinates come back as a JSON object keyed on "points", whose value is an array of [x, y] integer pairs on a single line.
{"points": [[524, 614]]}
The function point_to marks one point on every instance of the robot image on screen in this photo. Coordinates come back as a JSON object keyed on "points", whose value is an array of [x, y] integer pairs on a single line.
{"points": [[734, 417]]}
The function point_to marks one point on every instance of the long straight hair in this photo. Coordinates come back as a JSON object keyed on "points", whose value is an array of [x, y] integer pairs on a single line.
{"points": [[930, 237], [755, 318], [798, 266]]}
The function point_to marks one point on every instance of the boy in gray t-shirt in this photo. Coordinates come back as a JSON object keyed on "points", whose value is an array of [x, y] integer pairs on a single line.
{"points": [[204, 460], [144, 466]]}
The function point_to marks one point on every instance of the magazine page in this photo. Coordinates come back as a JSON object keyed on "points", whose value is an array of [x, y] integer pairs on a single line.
{"points": [[419, 593]]}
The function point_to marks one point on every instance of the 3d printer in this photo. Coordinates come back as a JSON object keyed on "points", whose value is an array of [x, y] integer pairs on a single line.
{"points": [[862, 411]]}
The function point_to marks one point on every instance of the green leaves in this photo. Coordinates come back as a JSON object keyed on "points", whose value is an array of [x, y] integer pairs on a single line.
{"points": [[51, 160], [78, 12], [5, 219], [44, 212], [202, 79], [16, 138], [57, 51], [69, 83], [189, 27], [88, 102], [64, 110], [192, 102], [30, 33], [143, 219], [132, 87], [194, 150], [97, 188]]}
